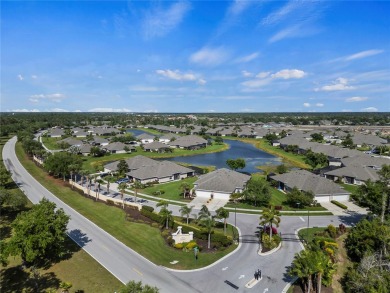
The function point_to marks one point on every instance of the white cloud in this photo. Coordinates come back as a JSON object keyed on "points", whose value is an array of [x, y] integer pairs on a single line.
{"points": [[255, 83], [319, 105], [246, 73], [209, 56], [280, 14], [238, 7], [307, 105], [363, 54], [160, 22], [247, 58], [340, 84], [176, 74], [263, 74], [140, 88], [109, 110], [57, 110], [24, 110], [20, 77], [51, 97], [201, 81], [289, 73], [34, 76], [369, 109], [356, 99], [249, 110]]}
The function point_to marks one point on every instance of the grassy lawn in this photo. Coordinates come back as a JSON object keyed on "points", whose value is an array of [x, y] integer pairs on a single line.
{"points": [[350, 188], [308, 234], [170, 190], [90, 163], [51, 142], [148, 242]]}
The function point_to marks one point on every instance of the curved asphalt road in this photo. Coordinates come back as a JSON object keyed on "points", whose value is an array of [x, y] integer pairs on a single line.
{"points": [[238, 268]]}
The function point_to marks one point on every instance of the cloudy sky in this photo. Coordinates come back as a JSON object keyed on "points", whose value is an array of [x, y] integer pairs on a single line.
{"points": [[195, 56]]}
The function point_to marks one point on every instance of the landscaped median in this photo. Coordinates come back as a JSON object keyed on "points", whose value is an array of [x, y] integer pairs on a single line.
{"points": [[143, 238]]}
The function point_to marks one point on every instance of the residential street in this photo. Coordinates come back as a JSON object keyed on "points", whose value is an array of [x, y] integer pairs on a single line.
{"points": [[238, 268]]}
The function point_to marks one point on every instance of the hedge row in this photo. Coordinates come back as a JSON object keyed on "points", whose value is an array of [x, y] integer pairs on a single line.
{"points": [[339, 204]]}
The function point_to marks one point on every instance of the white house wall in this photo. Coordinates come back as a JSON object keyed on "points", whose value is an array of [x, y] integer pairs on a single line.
{"points": [[216, 195]]}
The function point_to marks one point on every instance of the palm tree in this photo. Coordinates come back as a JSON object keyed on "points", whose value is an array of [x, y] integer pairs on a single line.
{"points": [[137, 185], [166, 216], [208, 223], [185, 188], [186, 210], [122, 188], [303, 268], [223, 214], [83, 174], [270, 216], [162, 203], [320, 262], [204, 212]]}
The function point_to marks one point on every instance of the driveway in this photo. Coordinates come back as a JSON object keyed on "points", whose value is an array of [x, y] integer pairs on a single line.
{"points": [[337, 211]]}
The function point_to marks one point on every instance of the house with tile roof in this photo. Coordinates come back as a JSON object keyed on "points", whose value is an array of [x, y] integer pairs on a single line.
{"points": [[157, 147], [220, 184]]}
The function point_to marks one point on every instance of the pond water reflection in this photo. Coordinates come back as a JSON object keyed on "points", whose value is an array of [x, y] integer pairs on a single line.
{"points": [[253, 157]]}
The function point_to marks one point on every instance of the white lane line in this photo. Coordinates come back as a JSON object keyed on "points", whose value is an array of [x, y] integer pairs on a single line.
{"points": [[225, 268], [302, 219]]}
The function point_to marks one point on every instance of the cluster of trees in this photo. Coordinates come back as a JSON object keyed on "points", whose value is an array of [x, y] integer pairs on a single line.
{"points": [[235, 164], [38, 236], [300, 199], [315, 160], [257, 191], [62, 164]]}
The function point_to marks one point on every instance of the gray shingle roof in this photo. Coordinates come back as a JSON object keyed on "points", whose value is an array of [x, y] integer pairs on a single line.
{"points": [[155, 146], [188, 141], [307, 181], [133, 163], [159, 170], [223, 180], [358, 172]]}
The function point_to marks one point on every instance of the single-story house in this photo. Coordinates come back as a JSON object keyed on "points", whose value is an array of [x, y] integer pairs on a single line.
{"points": [[71, 141], [168, 137], [220, 184], [324, 189], [189, 142], [145, 138], [133, 163], [85, 149], [160, 172], [353, 174], [156, 146], [116, 148], [55, 132]]}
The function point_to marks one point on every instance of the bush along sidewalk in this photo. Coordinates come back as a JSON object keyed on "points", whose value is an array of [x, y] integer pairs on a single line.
{"points": [[339, 204]]}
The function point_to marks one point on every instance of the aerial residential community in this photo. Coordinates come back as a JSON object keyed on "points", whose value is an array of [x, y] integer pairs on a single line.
{"points": [[195, 146]]}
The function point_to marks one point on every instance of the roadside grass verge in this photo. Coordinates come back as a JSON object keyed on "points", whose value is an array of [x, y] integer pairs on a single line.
{"points": [[51, 142], [144, 239], [80, 269], [350, 188]]}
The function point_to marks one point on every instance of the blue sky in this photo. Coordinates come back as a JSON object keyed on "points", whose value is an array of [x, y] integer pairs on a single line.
{"points": [[195, 56]]}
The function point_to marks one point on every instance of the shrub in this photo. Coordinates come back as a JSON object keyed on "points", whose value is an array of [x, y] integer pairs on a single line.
{"points": [[170, 241], [153, 216], [148, 208], [110, 202], [179, 245], [155, 225], [165, 233], [339, 204], [278, 208], [191, 245], [332, 231]]}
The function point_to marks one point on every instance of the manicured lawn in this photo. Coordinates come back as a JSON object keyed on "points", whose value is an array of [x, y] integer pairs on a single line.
{"points": [[51, 142], [148, 242], [308, 234], [350, 188], [170, 190]]}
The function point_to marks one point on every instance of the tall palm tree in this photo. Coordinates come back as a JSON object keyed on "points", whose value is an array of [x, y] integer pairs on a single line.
{"points": [[83, 174], [166, 216], [204, 212], [223, 213], [137, 185], [162, 203], [270, 216], [303, 268], [209, 224], [122, 188], [186, 210], [320, 262]]}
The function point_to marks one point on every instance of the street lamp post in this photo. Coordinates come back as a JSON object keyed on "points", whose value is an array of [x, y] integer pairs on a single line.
{"points": [[308, 221]]}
